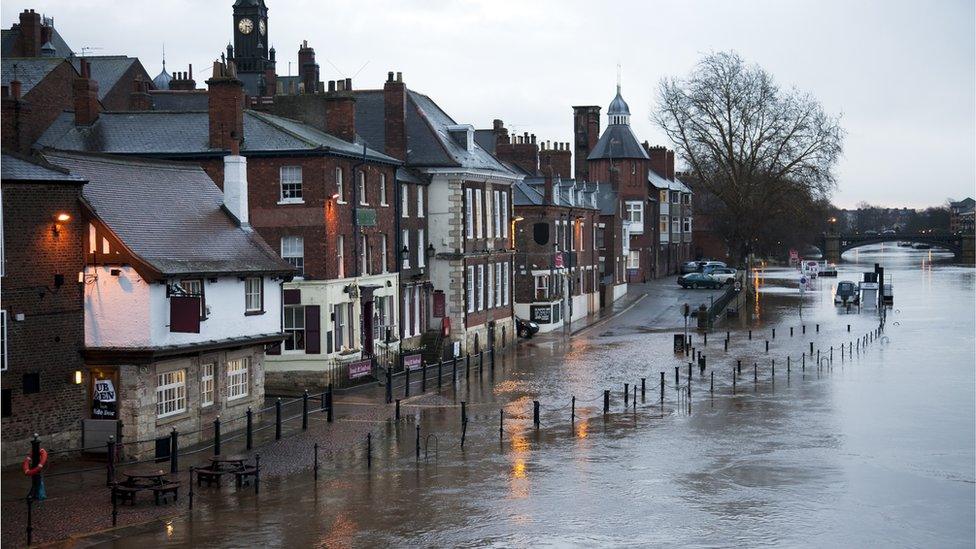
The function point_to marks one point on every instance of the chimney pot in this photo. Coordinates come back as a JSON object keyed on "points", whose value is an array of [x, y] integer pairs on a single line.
{"points": [[389, 76], [332, 85], [399, 76], [348, 84]]}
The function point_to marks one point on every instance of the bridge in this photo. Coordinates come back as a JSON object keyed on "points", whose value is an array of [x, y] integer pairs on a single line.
{"points": [[962, 246]]}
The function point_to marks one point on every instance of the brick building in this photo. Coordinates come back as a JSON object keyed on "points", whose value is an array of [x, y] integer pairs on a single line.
{"points": [[180, 298], [674, 212], [42, 320], [324, 203], [35, 92]]}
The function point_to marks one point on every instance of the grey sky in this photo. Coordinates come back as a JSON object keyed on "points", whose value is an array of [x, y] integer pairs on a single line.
{"points": [[902, 73]]}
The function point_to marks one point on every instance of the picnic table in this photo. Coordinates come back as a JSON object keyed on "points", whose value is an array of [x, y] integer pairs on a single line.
{"points": [[153, 480], [221, 465], [227, 463]]}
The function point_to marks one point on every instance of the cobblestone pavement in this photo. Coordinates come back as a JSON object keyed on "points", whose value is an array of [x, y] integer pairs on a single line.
{"points": [[79, 506]]}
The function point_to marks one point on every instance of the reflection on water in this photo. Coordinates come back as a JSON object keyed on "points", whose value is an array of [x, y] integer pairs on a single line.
{"points": [[877, 450]]}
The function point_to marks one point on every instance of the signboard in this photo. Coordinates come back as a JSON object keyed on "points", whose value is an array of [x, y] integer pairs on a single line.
{"points": [[438, 303], [794, 255], [104, 400], [457, 348], [679, 344], [412, 362], [558, 260], [541, 314], [360, 368], [366, 217]]}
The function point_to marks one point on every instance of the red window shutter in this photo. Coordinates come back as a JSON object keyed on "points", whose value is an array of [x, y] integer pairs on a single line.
{"points": [[273, 348], [293, 297], [313, 337], [184, 314]]}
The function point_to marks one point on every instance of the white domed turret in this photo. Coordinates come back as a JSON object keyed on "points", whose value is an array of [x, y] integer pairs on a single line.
{"points": [[619, 111]]}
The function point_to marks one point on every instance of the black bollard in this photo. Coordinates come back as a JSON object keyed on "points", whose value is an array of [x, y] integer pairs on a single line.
{"points": [[772, 366], [315, 461], [728, 334], [369, 450], [705, 339], [811, 348], [804, 326], [787, 364], [774, 333], [767, 345], [423, 376], [626, 395], [464, 412], [711, 383], [418, 443], [832, 352], [305, 410], [249, 435], [389, 387], [216, 425], [257, 473], [191, 488], [109, 464], [803, 362], [464, 433], [662, 388], [173, 451], [330, 412], [606, 402], [454, 370], [643, 388], [467, 366], [572, 409], [738, 366], [726, 345], [501, 422], [677, 381], [535, 413], [396, 415], [440, 366], [635, 396], [818, 328], [406, 381], [733, 381], [750, 335], [689, 371], [848, 327], [755, 372], [791, 331], [278, 419]]}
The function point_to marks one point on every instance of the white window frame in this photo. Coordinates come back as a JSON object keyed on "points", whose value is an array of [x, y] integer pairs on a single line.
{"points": [[364, 255], [498, 284], [421, 248], [491, 286], [470, 288], [383, 190], [361, 181], [385, 251], [416, 309], [249, 294], [633, 259], [289, 187], [294, 252], [420, 201], [479, 226], [341, 255], [541, 285], [171, 393], [489, 229], [507, 278], [404, 200], [498, 213], [238, 378], [481, 288], [505, 216], [675, 225], [469, 212], [635, 214], [406, 245], [207, 384], [686, 225], [289, 313], [340, 186]]}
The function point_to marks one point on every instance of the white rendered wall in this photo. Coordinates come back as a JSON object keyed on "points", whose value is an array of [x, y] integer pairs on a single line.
{"points": [[116, 308]]}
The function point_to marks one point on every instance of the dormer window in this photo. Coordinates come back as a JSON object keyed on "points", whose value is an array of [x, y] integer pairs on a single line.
{"points": [[463, 135]]}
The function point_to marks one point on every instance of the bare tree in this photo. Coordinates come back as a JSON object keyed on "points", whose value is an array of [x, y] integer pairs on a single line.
{"points": [[764, 153]]}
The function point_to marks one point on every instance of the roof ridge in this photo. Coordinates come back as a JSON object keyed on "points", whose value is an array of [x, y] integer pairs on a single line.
{"points": [[106, 158], [263, 117]]}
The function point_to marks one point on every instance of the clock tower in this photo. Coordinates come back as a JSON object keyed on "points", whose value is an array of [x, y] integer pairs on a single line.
{"points": [[250, 36]]}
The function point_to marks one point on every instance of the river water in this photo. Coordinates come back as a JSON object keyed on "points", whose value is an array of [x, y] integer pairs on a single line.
{"points": [[875, 449]]}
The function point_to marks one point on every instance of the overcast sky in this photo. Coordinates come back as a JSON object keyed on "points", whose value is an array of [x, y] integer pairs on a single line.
{"points": [[900, 72]]}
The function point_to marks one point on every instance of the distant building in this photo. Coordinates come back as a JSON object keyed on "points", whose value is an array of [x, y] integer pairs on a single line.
{"points": [[961, 216]]}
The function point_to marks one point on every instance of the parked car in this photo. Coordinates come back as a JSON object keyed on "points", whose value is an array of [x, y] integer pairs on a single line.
{"points": [[689, 267], [846, 292], [888, 231], [699, 280], [870, 232], [526, 328], [725, 275]]}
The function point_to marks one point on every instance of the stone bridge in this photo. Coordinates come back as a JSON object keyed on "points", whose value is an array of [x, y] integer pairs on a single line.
{"points": [[962, 246]]}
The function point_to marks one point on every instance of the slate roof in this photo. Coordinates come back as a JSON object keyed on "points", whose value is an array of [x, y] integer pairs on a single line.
{"points": [[618, 105], [607, 200], [18, 168], [618, 141], [106, 70], [428, 141], [29, 70], [170, 215], [166, 100], [486, 139], [661, 183], [166, 133], [531, 192], [526, 194], [9, 36]]}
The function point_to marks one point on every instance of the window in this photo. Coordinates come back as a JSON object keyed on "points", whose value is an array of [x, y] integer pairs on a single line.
{"points": [[404, 200], [686, 198], [364, 254], [420, 201], [207, 384], [384, 251], [469, 212], [541, 287], [664, 224], [405, 251], [405, 314], [498, 214], [253, 294], [194, 287], [295, 327], [421, 248], [663, 196], [383, 190], [237, 370], [340, 188], [489, 229], [498, 284], [635, 214], [3, 341], [339, 325], [341, 256], [633, 168], [171, 393], [686, 227], [479, 200], [504, 214], [362, 189], [416, 310], [491, 285], [293, 251], [675, 225], [633, 259], [471, 289], [31, 383], [675, 197], [481, 288], [291, 183], [506, 278]]}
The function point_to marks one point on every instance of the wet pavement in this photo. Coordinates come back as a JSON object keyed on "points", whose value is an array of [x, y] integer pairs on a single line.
{"points": [[875, 448]]}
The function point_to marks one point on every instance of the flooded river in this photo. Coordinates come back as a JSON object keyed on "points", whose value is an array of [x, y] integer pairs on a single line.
{"points": [[877, 450]]}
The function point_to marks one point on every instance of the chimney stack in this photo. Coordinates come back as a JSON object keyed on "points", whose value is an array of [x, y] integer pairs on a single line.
{"points": [[85, 91], [183, 81], [29, 39], [308, 69], [225, 105], [394, 117], [235, 183], [15, 110], [139, 99], [559, 158], [547, 190], [340, 110], [520, 150], [670, 165], [659, 160], [586, 129]]}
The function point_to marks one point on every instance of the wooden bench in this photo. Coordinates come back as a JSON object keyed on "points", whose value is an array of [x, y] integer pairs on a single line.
{"points": [[126, 493], [210, 476], [170, 488], [245, 475]]}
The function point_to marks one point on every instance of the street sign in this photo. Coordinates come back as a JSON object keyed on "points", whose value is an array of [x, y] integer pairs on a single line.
{"points": [[366, 217], [360, 368], [558, 260]]}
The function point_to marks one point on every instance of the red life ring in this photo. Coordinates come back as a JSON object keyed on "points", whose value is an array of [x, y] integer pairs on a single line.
{"points": [[31, 471]]}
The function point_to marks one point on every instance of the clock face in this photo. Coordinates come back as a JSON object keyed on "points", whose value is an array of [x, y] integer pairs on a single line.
{"points": [[261, 28], [245, 26]]}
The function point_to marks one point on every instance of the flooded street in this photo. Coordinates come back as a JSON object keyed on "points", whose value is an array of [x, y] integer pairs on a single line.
{"points": [[876, 450]]}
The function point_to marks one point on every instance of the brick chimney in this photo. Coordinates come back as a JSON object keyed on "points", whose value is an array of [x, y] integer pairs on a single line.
{"points": [[14, 119], [225, 104], [659, 159], [394, 116], [500, 132], [586, 131], [521, 150], [547, 186], [340, 110], [29, 40], [308, 69], [670, 165], [139, 99], [85, 91], [183, 81], [559, 157]]}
